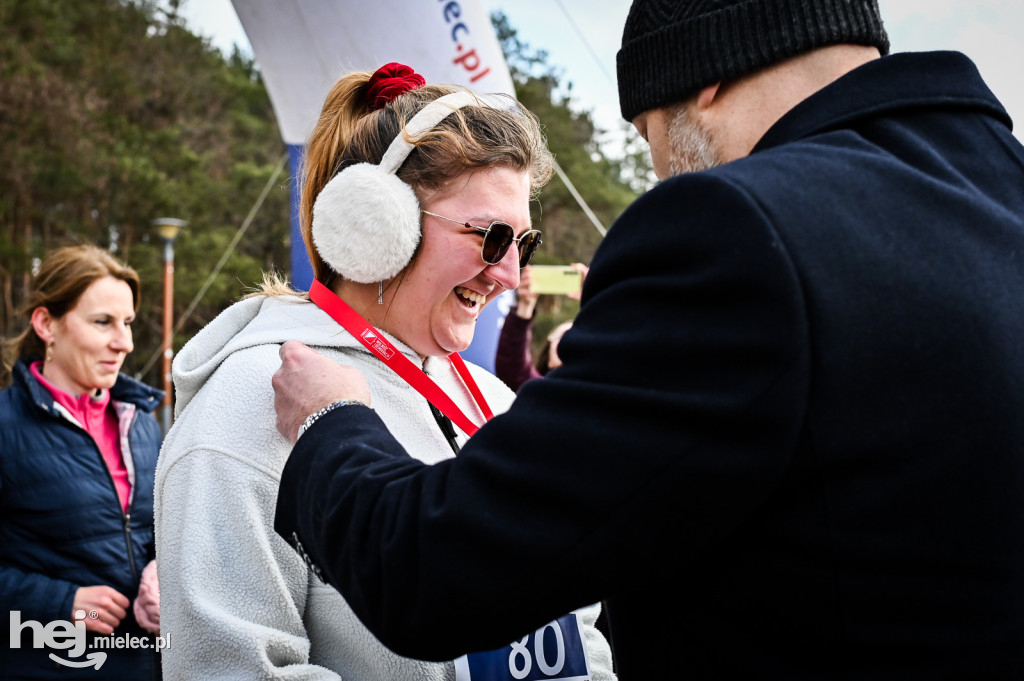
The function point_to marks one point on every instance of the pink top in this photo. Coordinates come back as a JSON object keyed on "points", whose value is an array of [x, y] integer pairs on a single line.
{"points": [[101, 423]]}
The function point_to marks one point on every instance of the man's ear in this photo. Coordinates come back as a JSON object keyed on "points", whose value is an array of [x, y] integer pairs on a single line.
{"points": [[41, 322], [706, 97]]}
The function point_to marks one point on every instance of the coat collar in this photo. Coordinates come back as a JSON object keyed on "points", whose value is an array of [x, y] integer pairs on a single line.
{"points": [[905, 81], [125, 389]]}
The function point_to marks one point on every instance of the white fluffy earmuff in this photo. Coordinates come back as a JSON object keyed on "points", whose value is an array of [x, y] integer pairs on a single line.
{"points": [[366, 221]]}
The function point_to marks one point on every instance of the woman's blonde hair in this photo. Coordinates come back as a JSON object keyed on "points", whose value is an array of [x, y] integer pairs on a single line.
{"points": [[62, 278], [473, 137]]}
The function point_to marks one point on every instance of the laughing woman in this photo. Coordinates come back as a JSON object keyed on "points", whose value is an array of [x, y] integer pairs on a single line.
{"points": [[415, 216], [78, 446]]}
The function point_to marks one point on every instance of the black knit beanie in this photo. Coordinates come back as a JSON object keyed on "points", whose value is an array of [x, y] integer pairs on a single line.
{"points": [[673, 48]]}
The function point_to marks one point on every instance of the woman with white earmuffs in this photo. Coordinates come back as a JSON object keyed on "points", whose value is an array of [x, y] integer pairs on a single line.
{"points": [[415, 214]]}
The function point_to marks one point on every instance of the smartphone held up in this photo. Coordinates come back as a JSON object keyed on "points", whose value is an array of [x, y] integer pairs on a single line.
{"points": [[556, 279]]}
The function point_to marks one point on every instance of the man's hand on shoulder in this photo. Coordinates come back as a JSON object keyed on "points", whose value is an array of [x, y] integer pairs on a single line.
{"points": [[307, 382]]}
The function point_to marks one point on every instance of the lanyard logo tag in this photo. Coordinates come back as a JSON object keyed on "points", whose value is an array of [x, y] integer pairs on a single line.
{"points": [[377, 344]]}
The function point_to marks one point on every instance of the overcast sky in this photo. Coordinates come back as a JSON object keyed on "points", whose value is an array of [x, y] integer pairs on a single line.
{"points": [[582, 37]]}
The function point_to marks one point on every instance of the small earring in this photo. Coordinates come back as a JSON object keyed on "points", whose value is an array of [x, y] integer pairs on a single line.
{"points": [[49, 352], [380, 292]]}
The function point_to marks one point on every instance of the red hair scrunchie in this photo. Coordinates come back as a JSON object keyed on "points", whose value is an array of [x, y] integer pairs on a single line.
{"points": [[388, 82]]}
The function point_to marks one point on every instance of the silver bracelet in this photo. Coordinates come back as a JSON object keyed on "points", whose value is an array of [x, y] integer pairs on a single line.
{"points": [[311, 419]]}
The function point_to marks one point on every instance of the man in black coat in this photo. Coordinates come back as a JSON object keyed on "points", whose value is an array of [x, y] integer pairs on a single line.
{"points": [[787, 438]]}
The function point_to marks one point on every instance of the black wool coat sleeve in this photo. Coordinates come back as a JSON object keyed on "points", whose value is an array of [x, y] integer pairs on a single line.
{"points": [[672, 419]]}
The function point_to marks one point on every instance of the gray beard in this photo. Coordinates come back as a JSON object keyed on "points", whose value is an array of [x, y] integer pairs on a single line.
{"points": [[692, 148]]}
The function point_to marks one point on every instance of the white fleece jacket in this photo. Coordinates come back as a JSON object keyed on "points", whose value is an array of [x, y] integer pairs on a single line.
{"points": [[236, 599]]}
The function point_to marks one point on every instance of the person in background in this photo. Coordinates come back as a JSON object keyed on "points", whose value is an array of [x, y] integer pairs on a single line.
{"points": [[78, 450], [415, 214], [789, 411], [513, 362]]}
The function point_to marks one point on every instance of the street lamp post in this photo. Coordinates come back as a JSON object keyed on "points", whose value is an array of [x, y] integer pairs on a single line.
{"points": [[168, 229]]}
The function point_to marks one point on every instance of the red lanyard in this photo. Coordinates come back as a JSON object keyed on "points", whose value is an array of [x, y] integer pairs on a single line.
{"points": [[385, 351]]}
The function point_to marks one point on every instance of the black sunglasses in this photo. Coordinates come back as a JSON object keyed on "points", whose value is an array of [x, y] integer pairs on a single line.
{"points": [[498, 237]]}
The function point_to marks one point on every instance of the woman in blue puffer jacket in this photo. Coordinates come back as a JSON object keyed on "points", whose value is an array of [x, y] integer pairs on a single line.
{"points": [[78, 449]]}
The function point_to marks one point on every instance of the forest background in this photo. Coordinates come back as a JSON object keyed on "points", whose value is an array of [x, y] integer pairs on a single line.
{"points": [[113, 113]]}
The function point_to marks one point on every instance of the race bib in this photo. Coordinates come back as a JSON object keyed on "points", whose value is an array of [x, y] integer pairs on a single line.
{"points": [[555, 652]]}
